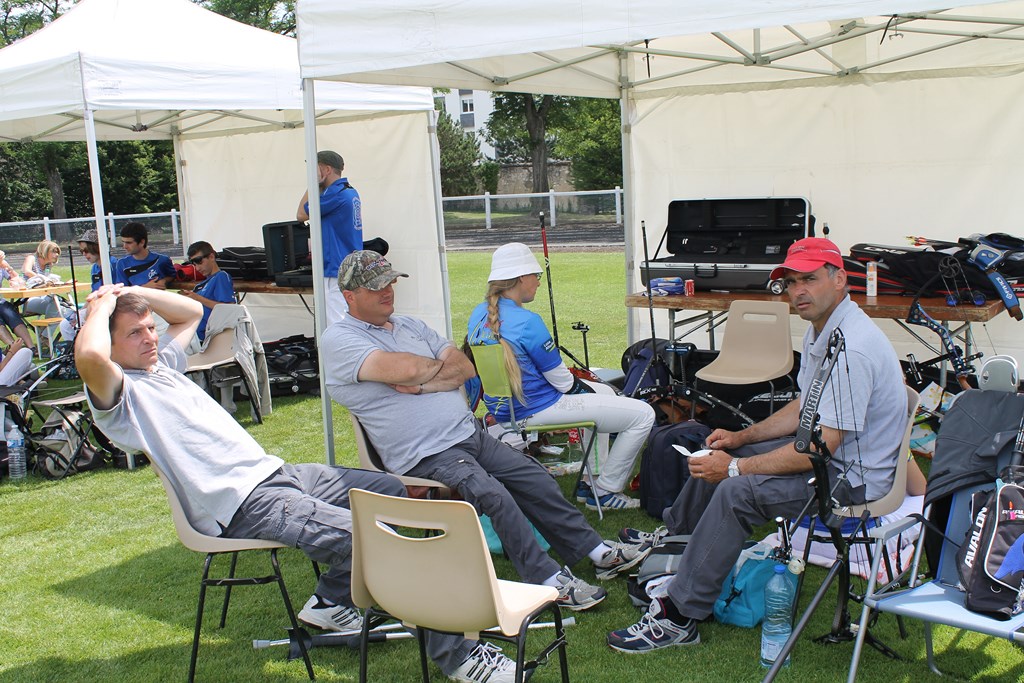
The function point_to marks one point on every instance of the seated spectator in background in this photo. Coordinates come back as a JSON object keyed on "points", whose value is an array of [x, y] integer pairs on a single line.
{"points": [[142, 267], [401, 380], [89, 246], [217, 288], [229, 484], [545, 392], [38, 271], [9, 315], [15, 362]]}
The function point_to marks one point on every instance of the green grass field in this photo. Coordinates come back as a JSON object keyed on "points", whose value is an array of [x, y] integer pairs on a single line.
{"points": [[96, 587]]}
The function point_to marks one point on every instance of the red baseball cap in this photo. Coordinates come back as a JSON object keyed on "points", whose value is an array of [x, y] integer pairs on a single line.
{"points": [[809, 254]]}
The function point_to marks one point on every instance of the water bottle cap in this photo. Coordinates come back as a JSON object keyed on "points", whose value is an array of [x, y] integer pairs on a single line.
{"points": [[779, 568]]}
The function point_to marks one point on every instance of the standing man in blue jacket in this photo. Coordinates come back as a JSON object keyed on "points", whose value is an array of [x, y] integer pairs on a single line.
{"points": [[341, 225]]}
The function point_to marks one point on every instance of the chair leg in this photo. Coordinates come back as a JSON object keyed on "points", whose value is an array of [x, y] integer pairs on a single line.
{"points": [[227, 590], [929, 647], [364, 642], [421, 638], [296, 629], [199, 618], [563, 661], [253, 401], [586, 466]]}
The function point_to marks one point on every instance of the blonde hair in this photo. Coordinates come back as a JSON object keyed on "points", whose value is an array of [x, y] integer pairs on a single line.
{"points": [[495, 289], [44, 248]]}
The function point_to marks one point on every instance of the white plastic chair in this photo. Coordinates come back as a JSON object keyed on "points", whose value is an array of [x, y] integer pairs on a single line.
{"points": [[217, 545], [413, 579]]}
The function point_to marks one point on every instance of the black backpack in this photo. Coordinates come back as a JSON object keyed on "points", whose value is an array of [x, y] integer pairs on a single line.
{"points": [[991, 559], [663, 470]]}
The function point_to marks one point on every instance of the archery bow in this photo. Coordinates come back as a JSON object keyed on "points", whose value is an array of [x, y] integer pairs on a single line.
{"points": [[917, 316]]}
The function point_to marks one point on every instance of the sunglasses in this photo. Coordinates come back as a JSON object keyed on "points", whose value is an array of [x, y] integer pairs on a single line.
{"points": [[196, 260]]}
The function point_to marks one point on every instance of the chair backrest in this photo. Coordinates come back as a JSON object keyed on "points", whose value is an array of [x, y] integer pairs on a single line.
{"points": [[444, 582], [892, 500], [490, 366], [196, 540], [221, 349], [757, 340], [369, 458]]}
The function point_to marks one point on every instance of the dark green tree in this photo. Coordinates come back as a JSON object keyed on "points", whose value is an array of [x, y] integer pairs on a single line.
{"points": [[593, 143], [460, 154], [272, 15], [535, 129]]}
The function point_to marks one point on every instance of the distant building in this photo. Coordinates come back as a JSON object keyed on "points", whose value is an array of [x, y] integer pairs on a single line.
{"points": [[471, 108]]}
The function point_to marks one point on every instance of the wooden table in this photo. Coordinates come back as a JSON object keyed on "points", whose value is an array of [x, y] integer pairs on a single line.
{"points": [[50, 290], [247, 286], [715, 305]]}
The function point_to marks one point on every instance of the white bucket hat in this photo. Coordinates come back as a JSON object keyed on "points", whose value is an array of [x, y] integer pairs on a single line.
{"points": [[511, 261]]}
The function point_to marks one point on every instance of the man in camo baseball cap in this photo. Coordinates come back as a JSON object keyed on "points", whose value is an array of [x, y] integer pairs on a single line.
{"points": [[366, 269]]}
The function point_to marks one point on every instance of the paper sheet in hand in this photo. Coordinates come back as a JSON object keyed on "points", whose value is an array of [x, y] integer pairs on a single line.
{"points": [[696, 454]]}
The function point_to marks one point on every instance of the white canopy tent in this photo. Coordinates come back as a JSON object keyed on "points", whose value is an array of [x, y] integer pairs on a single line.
{"points": [[892, 119], [229, 96]]}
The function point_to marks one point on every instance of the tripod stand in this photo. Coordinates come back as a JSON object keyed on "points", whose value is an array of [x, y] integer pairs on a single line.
{"points": [[809, 439]]}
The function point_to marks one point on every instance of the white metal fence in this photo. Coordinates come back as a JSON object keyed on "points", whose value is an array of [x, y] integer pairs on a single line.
{"points": [[162, 227], [489, 210], [592, 206]]}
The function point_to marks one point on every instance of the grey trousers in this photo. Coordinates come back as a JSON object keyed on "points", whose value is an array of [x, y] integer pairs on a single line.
{"points": [[511, 488], [305, 506], [721, 517]]}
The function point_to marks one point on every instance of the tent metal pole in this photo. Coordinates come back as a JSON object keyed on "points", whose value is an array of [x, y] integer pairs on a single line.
{"points": [[626, 108], [97, 194], [316, 237], [183, 194], [435, 163]]}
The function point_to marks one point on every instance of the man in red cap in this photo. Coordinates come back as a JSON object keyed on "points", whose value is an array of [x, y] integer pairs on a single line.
{"points": [[754, 475]]}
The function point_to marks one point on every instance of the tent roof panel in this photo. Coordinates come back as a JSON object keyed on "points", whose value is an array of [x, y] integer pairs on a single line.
{"points": [[663, 46], [154, 56]]}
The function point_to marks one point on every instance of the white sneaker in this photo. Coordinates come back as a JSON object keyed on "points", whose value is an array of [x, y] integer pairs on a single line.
{"points": [[486, 664], [330, 618]]}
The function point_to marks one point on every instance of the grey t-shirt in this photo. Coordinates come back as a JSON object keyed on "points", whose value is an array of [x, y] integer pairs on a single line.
{"points": [[405, 428], [211, 461], [865, 397]]}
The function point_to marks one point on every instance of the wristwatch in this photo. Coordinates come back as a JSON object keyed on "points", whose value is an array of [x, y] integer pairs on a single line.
{"points": [[734, 467]]}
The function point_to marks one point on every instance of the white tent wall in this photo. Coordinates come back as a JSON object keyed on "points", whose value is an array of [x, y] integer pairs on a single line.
{"points": [[235, 184], [878, 161]]}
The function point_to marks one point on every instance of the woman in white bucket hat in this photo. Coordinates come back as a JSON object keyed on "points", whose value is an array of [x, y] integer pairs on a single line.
{"points": [[547, 392]]}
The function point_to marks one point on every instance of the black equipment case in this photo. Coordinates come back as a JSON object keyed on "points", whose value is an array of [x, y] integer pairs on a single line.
{"points": [[729, 244], [243, 263]]}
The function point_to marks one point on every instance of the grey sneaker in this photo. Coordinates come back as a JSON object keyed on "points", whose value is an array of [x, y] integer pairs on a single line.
{"points": [[576, 594], [637, 537], [485, 664], [619, 558], [653, 632], [330, 617]]}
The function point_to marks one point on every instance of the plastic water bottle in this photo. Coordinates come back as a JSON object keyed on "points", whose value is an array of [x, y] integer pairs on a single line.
{"points": [[16, 465], [778, 609]]}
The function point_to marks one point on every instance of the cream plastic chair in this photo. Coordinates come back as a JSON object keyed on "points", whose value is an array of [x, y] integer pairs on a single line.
{"points": [[369, 459], [216, 545], [756, 346], [892, 500], [221, 352], [444, 582], [489, 360]]}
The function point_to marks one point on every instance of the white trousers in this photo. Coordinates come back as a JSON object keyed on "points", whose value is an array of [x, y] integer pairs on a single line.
{"points": [[337, 307], [632, 419], [16, 367]]}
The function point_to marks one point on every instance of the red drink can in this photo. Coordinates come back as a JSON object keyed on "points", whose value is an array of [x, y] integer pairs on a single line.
{"points": [[688, 288]]}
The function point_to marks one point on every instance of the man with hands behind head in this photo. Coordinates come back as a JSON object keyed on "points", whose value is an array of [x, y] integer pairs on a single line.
{"points": [[756, 474]]}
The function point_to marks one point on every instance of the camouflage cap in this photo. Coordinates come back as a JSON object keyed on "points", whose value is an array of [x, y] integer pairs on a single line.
{"points": [[366, 269], [89, 236]]}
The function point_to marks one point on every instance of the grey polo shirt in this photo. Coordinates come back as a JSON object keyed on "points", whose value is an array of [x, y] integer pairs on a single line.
{"points": [[404, 428], [865, 397], [209, 458]]}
